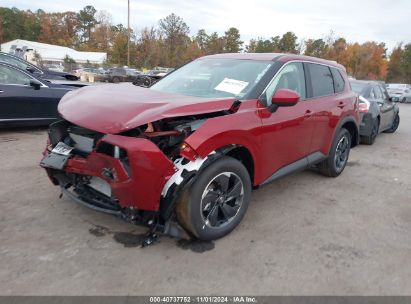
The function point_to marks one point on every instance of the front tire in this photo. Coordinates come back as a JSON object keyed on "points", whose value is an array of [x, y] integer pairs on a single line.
{"points": [[217, 201], [334, 165]]}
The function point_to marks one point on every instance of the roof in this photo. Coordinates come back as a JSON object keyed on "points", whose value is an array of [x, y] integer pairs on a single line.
{"points": [[249, 56], [275, 57], [52, 52]]}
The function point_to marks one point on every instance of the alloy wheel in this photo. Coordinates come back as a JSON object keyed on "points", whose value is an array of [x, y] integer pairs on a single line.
{"points": [[341, 153], [222, 199]]}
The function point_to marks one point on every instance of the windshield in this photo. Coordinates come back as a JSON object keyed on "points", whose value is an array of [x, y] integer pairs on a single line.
{"points": [[358, 87], [214, 78]]}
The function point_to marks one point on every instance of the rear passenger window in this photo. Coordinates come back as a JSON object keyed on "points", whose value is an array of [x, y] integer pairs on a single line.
{"points": [[321, 79], [338, 81]]}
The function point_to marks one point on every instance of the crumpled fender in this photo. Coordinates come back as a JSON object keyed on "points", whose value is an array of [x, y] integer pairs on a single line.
{"points": [[239, 130]]}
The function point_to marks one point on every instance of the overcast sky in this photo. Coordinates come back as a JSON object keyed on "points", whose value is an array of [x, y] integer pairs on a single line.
{"points": [[386, 21]]}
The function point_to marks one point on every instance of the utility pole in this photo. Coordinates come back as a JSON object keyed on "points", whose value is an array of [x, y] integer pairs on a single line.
{"points": [[128, 34]]}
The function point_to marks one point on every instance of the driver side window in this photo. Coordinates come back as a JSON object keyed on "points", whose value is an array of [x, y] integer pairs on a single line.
{"points": [[290, 77], [11, 76]]}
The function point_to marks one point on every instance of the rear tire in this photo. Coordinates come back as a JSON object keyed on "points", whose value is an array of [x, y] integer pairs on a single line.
{"points": [[116, 79], [395, 124], [334, 165], [369, 140], [217, 201]]}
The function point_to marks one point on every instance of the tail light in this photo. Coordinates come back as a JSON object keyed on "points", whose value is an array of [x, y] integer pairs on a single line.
{"points": [[188, 152], [364, 105]]}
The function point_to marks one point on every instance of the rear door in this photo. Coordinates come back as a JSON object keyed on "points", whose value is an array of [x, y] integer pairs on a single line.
{"points": [[328, 101], [287, 132]]}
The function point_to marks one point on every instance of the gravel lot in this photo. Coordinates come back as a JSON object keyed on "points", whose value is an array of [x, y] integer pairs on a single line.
{"points": [[302, 235]]}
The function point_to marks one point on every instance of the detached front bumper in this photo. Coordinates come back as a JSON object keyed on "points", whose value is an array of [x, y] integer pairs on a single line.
{"points": [[136, 176]]}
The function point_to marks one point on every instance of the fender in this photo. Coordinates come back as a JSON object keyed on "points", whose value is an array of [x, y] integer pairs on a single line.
{"points": [[243, 129], [348, 118]]}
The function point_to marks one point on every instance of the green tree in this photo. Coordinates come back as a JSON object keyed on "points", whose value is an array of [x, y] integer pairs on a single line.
{"points": [[233, 44], [175, 32], [201, 39], [316, 48], [288, 43], [86, 21], [69, 63], [261, 45], [215, 44], [118, 53], [395, 65], [406, 63]]}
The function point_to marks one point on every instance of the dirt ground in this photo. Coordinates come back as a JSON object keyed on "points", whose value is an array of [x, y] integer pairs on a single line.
{"points": [[302, 235]]}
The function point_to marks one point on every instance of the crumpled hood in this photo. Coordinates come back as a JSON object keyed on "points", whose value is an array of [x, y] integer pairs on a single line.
{"points": [[114, 108]]}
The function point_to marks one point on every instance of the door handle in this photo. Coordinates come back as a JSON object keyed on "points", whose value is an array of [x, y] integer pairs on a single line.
{"points": [[341, 105], [1, 91], [308, 113]]}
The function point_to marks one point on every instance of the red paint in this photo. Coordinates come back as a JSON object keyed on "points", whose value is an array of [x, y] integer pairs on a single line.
{"points": [[113, 108], [274, 140], [285, 97]]}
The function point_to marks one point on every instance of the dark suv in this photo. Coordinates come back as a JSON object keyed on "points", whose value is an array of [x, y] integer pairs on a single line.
{"points": [[185, 154]]}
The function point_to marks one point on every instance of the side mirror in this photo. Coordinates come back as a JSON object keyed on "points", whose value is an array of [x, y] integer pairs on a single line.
{"points": [[35, 84], [284, 98], [394, 99]]}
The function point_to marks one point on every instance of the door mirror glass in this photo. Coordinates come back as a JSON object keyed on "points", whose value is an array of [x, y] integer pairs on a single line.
{"points": [[395, 99]]}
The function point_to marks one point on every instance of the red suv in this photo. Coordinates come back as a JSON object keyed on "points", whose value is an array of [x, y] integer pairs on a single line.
{"points": [[185, 154]]}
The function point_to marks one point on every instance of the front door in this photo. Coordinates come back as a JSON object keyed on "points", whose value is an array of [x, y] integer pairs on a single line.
{"points": [[287, 133]]}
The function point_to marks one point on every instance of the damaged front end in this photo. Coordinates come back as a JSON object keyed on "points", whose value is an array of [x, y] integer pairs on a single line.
{"points": [[136, 174]]}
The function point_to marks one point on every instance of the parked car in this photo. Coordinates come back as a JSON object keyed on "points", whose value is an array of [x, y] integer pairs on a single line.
{"points": [[378, 111], [54, 67], [92, 74], [117, 75], [35, 70], [185, 154], [27, 100], [397, 89], [149, 78], [406, 96]]}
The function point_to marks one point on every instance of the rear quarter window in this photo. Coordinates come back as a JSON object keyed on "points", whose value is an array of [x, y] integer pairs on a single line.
{"points": [[339, 83], [321, 79]]}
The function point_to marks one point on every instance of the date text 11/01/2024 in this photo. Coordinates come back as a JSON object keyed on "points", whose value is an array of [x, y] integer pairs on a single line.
{"points": [[199, 299]]}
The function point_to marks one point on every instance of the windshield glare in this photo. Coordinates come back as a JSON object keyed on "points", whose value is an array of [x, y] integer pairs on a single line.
{"points": [[215, 78]]}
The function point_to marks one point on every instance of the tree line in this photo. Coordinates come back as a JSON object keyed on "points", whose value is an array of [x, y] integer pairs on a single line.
{"points": [[171, 44]]}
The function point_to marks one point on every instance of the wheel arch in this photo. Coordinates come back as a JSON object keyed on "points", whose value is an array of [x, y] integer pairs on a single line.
{"points": [[349, 124], [243, 155]]}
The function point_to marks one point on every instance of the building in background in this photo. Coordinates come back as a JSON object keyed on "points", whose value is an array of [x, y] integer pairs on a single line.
{"points": [[51, 54]]}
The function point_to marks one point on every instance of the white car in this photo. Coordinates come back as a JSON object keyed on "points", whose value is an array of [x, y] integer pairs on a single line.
{"points": [[406, 96], [398, 90]]}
